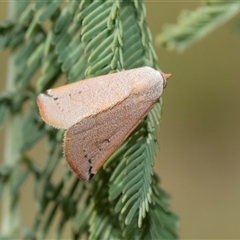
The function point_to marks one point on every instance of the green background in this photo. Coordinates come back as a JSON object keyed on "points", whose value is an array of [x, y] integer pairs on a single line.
{"points": [[199, 161]]}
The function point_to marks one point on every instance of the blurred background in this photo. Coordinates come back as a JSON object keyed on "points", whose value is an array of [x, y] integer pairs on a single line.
{"points": [[199, 161]]}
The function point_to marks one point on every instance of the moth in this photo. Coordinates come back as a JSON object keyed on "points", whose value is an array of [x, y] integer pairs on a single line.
{"points": [[100, 113]]}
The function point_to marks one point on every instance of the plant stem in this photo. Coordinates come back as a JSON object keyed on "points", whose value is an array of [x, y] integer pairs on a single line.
{"points": [[10, 211]]}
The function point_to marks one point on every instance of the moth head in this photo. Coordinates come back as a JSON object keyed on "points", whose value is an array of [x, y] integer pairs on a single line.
{"points": [[165, 77]]}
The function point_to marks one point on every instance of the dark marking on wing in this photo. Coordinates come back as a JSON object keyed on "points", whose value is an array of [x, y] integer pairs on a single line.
{"points": [[90, 169], [91, 175], [47, 93]]}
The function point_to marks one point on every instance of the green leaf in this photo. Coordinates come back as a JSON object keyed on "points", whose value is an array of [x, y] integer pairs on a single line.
{"points": [[194, 25], [48, 11]]}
